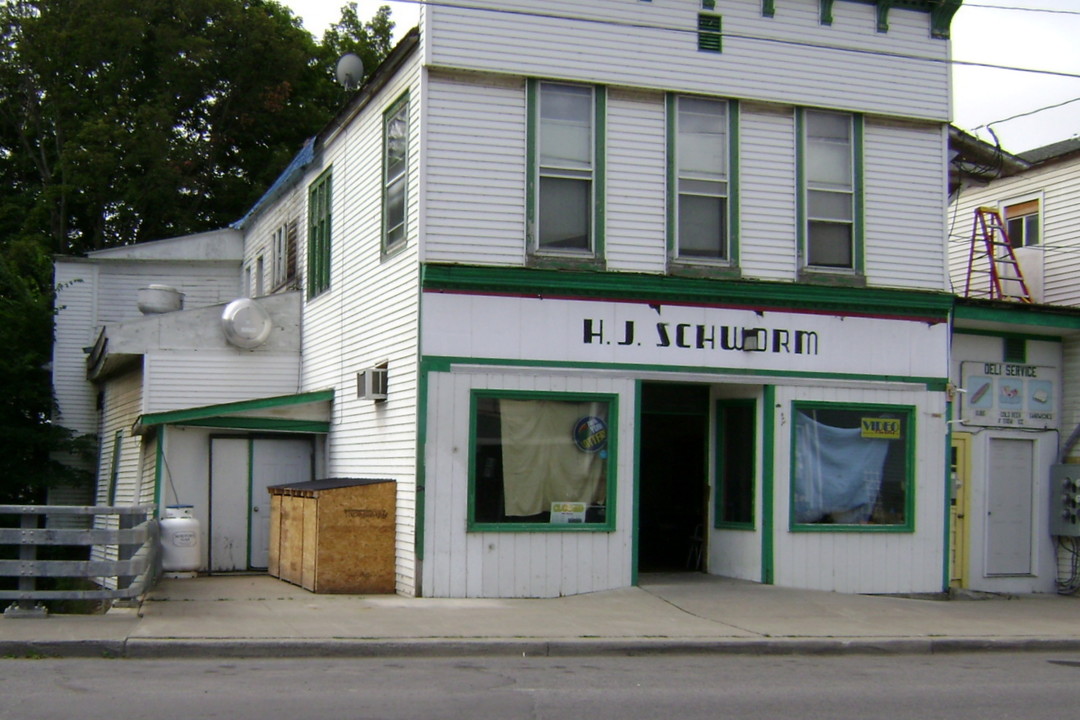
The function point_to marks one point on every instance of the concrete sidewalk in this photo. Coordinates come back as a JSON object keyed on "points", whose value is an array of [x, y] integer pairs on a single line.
{"points": [[259, 616]]}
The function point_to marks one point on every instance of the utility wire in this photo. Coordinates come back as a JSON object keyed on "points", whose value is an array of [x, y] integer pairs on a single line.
{"points": [[1021, 9]]}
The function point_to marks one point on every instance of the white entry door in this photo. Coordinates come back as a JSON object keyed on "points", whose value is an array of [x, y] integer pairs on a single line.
{"points": [[1009, 507], [241, 469], [273, 462]]}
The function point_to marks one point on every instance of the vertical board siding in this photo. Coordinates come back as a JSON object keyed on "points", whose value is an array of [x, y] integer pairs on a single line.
{"points": [[177, 379], [635, 236], [905, 202], [868, 562], [475, 169], [369, 314], [767, 190], [515, 564], [791, 57]]}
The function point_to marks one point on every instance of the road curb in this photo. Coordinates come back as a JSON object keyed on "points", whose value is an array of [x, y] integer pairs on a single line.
{"points": [[178, 648]]}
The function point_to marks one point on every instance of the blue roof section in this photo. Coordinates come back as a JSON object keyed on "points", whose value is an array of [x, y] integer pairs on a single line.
{"points": [[283, 182]]}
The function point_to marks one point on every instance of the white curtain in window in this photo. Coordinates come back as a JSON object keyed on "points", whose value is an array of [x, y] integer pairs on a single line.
{"points": [[541, 463], [837, 472]]}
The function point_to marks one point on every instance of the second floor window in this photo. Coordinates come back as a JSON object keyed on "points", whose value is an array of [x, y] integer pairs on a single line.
{"points": [[701, 179], [319, 226], [395, 172], [830, 184], [1022, 223], [565, 151]]}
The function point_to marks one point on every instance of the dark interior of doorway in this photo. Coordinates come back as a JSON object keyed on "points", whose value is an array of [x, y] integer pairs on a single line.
{"points": [[672, 504]]}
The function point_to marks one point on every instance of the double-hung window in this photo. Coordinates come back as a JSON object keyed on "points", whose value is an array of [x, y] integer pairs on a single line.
{"points": [[395, 172], [1022, 223], [565, 211], [318, 255], [831, 190], [701, 178]]}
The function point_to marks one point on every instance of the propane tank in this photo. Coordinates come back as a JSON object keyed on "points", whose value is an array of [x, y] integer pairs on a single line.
{"points": [[179, 540]]}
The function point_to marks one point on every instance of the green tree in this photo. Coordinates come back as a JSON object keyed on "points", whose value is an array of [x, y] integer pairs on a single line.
{"points": [[371, 40], [130, 120]]}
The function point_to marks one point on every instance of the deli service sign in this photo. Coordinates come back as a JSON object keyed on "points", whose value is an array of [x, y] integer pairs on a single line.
{"points": [[1009, 395]]}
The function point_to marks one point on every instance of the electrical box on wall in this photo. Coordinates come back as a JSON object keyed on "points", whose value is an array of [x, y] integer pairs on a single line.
{"points": [[1065, 500]]}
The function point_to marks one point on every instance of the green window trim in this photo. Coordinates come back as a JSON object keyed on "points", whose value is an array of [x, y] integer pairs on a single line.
{"points": [[727, 265], [592, 258], [910, 440], [395, 175], [721, 493], [320, 202], [857, 269], [612, 400]]}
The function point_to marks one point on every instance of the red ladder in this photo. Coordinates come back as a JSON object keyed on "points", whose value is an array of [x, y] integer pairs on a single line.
{"points": [[988, 233]]}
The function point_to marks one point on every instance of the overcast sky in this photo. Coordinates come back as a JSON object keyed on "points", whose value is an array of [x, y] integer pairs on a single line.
{"points": [[1021, 37]]}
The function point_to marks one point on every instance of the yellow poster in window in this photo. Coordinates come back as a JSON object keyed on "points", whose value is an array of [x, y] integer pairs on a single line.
{"points": [[881, 428]]}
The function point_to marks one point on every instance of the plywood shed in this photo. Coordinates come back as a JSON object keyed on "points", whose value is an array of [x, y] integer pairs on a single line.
{"points": [[334, 535]]}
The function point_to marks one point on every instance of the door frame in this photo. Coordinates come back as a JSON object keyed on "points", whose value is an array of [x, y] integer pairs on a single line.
{"points": [[959, 540]]}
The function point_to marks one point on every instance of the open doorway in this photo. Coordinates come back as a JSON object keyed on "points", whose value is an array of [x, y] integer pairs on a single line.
{"points": [[673, 490]]}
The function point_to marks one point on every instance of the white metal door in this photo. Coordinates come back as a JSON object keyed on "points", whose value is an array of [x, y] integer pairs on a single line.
{"points": [[1009, 506], [228, 504], [274, 462]]}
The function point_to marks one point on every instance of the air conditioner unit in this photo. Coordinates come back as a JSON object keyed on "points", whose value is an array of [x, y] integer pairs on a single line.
{"points": [[371, 383]]}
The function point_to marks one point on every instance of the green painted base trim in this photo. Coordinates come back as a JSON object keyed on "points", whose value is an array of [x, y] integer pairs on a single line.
{"points": [[931, 307], [435, 363], [768, 483]]}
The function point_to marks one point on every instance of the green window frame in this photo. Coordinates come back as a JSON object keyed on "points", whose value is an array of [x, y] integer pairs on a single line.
{"points": [[320, 202], [852, 467], [565, 191], [395, 167], [703, 180], [564, 482], [736, 464], [830, 199]]}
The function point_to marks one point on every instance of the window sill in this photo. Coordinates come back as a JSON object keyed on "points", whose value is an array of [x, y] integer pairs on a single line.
{"points": [[682, 268], [565, 262], [391, 251], [833, 278]]}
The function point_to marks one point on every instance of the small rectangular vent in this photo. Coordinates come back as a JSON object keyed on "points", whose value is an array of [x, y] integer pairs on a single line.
{"points": [[709, 39]]}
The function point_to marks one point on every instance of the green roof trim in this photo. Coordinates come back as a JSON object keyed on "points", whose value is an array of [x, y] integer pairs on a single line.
{"points": [[1019, 314], [208, 415], [941, 12], [930, 306]]}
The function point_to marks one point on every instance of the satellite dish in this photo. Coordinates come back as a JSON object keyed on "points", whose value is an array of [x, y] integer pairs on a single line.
{"points": [[246, 324], [350, 70]]}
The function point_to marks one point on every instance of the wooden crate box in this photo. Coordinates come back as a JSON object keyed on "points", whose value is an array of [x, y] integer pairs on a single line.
{"points": [[334, 535]]}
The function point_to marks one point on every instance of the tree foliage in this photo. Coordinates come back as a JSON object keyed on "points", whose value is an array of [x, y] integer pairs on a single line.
{"points": [[123, 121]]}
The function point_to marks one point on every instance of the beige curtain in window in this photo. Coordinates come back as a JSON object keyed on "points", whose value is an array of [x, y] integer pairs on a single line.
{"points": [[541, 463]]}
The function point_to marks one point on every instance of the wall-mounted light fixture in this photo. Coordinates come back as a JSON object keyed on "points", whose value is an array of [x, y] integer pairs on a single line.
{"points": [[752, 340]]}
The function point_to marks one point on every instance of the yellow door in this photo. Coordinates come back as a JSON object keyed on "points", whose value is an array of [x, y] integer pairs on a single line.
{"points": [[960, 475]]}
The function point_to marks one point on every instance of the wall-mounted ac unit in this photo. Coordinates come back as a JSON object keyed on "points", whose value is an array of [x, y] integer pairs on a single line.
{"points": [[371, 383]]}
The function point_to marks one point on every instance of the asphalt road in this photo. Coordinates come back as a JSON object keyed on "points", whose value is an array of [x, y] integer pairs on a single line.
{"points": [[988, 686]]}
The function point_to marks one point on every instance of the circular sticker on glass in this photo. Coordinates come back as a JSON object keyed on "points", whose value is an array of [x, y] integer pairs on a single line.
{"points": [[590, 434]]}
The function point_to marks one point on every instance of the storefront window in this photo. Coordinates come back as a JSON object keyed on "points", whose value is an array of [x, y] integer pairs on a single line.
{"points": [[542, 462], [852, 467]]}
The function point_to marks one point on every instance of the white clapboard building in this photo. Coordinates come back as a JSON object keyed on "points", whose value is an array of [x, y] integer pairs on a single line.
{"points": [[1015, 359], [606, 288]]}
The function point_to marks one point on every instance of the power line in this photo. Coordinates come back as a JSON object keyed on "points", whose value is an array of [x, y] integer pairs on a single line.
{"points": [[1021, 9], [1026, 114]]}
